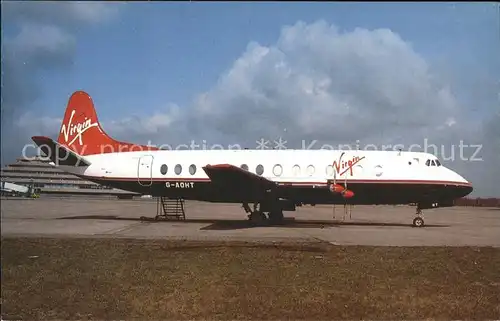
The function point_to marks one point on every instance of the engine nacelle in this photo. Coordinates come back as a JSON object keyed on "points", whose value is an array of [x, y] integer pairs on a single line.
{"points": [[339, 189], [347, 193], [336, 188]]}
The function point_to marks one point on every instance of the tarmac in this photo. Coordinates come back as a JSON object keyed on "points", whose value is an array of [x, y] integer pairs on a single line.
{"points": [[367, 225]]}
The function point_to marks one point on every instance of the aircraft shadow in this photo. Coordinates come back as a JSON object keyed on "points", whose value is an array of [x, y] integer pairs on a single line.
{"points": [[244, 224], [224, 224]]}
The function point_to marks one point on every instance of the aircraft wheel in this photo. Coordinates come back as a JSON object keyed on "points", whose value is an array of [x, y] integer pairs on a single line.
{"points": [[257, 218], [276, 217], [418, 222]]}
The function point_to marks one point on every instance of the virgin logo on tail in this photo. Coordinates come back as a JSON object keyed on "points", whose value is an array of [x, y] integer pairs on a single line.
{"points": [[76, 129]]}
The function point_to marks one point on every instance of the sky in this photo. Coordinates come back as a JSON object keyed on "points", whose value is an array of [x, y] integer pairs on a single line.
{"points": [[315, 74]]}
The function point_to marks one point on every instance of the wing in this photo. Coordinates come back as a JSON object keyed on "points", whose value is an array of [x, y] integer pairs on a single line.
{"points": [[234, 178]]}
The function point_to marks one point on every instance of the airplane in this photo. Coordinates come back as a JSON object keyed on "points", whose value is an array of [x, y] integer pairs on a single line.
{"points": [[272, 181]]}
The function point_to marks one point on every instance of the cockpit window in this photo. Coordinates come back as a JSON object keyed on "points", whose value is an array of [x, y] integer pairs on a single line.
{"points": [[433, 162]]}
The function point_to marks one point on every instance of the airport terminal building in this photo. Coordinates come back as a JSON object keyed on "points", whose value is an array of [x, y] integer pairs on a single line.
{"points": [[48, 179]]}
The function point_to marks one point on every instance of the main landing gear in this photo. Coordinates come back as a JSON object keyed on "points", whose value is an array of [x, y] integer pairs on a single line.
{"points": [[261, 216], [419, 220]]}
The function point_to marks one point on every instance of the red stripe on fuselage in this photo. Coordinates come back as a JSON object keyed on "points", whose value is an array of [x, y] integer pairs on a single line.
{"points": [[351, 181]]}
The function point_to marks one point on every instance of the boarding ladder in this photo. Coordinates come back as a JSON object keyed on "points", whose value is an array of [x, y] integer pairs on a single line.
{"points": [[170, 209]]}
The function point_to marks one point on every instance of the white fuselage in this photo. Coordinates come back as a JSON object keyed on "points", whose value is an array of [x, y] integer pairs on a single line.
{"points": [[283, 166]]}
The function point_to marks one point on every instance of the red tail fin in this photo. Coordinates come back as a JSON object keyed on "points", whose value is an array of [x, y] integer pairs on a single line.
{"points": [[82, 133]]}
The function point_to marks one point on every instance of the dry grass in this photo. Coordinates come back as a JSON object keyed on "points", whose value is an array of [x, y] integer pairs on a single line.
{"points": [[134, 279]]}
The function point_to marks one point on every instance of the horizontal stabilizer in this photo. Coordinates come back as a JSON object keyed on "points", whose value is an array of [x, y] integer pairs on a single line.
{"points": [[57, 153]]}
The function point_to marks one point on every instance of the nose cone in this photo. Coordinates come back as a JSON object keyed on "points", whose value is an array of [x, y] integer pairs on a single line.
{"points": [[464, 190], [462, 186]]}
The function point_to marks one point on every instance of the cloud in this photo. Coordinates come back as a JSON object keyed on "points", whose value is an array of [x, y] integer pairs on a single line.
{"points": [[318, 83], [65, 14], [143, 128], [38, 38], [323, 84], [35, 48]]}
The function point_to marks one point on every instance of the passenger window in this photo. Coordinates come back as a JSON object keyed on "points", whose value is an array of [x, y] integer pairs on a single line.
{"points": [[277, 170]]}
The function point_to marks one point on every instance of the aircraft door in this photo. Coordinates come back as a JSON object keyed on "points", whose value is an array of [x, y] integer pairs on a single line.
{"points": [[145, 170]]}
